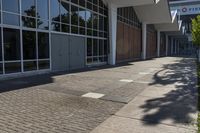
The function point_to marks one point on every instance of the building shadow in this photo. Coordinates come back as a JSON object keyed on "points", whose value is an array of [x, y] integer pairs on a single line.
{"points": [[27, 81], [178, 104]]}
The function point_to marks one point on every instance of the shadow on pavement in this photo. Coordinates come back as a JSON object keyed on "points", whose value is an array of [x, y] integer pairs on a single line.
{"points": [[42, 79], [178, 104]]}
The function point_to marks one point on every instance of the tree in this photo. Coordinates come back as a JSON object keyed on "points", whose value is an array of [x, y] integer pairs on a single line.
{"points": [[196, 33]]}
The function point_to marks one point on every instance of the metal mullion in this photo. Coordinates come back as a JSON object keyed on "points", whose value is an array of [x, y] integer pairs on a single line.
{"points": [[2, 40], [21, 36], [36, 43], [49, 32]]}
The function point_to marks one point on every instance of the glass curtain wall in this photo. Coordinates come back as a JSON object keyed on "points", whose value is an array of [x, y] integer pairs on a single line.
{"points": [[87, 18], [26, 25]]}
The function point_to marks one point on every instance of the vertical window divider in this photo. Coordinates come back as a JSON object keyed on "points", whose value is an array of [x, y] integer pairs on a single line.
{"points": [[70, 14], [49, 17], [2, 40], [36, 34], [21, 35], [37, 56]]}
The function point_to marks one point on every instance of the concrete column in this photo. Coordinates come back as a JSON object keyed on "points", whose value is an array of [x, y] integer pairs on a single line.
{"points": [[144, 40], [167, 44], [158, 43], [112, 32]]}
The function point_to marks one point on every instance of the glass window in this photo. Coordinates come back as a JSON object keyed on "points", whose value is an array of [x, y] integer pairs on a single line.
{"points": [[65, 28], [95, 47], [64, 12], [29, 45], [101, 48], [82, 17], [101, 22], [28, 8], [82, 3], [10, 5], [42, 24], [42, 9], [43, 45], [55, 26], [11, 44], [89, 47], [55, 8], [74, 1], [89, 19], [105, 47], [29, 22], [44, 64], [95, 21], [0, 47], [12, 67], [1, 68], [74, 29], [74, 15], [30, 65], [10, 19]]}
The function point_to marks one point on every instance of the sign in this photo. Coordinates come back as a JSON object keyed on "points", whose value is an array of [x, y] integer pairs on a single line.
{"points": [[188, 9]]}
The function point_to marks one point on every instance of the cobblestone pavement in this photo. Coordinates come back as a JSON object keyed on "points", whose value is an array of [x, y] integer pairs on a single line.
{"points": [[42, 111], [52, 103]]}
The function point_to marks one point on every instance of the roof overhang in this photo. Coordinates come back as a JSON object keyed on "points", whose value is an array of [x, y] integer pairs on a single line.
{"points": [[175, 24], [128, 3], [154, 13]]}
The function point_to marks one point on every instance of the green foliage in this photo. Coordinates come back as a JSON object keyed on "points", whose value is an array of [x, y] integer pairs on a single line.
{"points": [[196, 30]]}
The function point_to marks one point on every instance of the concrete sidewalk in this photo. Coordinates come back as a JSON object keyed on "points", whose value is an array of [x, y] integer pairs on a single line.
{"points": [[167, 105]]}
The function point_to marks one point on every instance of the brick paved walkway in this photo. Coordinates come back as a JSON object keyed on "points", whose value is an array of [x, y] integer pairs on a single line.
{"points": [[52, 103]]}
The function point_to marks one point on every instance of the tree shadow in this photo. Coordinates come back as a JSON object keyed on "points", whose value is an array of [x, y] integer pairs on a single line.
{"points": [[178, 104]]}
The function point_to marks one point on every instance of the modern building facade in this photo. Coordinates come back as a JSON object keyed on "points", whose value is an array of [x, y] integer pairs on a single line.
{"points": [[187, 10], [39, 36]]}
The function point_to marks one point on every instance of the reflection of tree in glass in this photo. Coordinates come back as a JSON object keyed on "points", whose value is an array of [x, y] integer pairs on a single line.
{"points": [[74, 18], [29, 43], [31, 22], [55, 24]]}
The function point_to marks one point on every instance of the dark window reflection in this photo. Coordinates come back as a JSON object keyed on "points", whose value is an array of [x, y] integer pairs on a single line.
{"points": [[101, 47], [42, 9], [44, 64], [11, 44], [28, 8], [29, 45], [30, 65], [106, 47], [12, 67], [101, 22], [10, 19], [74, 29], [74, 1], [65, 28], [0, 47], [64, 12], [11, 5], [95, 47], [95, 21], [89, 47], [43, 45], [1, 68], [55, 26], [29, 22], [74, 15]]}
